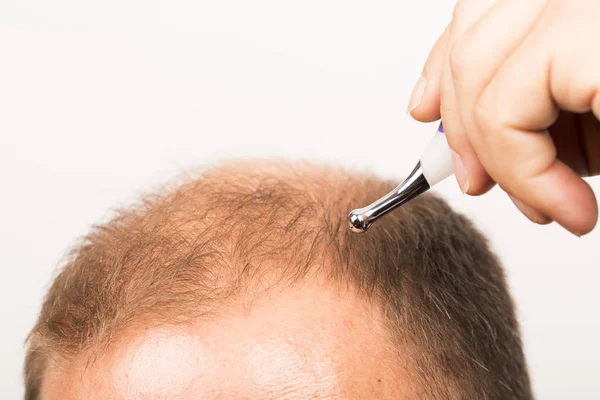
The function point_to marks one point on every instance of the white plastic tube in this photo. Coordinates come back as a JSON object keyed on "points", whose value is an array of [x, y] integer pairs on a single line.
{"points": [[436, 160]]}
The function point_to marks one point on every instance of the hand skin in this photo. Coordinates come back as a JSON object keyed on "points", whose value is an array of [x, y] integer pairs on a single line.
{"points": [[517, 86]]}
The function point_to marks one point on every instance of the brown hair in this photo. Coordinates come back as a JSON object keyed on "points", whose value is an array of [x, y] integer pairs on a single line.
{"points": [[179, 254]]}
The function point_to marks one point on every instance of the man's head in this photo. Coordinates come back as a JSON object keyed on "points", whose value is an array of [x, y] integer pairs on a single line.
{"points": [[246, 284]]}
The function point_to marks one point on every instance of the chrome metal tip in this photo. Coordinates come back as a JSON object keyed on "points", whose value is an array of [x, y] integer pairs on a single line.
{"points": [[357, 222], [361, 219]]}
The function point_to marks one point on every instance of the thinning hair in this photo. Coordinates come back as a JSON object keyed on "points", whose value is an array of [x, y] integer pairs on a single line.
{"points": [[184, 252]]}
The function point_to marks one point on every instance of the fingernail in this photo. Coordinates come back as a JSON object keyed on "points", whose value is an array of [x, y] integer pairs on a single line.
{"points": [[417, 95], [525, 209], [534, 215], [460, 172]]}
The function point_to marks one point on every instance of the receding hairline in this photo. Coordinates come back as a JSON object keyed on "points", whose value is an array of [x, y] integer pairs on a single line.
{"points": [[219, 230], [248, 199]]}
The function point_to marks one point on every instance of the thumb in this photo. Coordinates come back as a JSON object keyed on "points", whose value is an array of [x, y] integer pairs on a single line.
{"points": [[424, 104]]}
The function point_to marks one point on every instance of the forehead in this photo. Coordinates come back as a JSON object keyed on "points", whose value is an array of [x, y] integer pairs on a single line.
{"points": [[303, 343]]}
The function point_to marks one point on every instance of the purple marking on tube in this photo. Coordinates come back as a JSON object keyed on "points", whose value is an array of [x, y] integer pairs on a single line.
{"points": [[441, 128]]}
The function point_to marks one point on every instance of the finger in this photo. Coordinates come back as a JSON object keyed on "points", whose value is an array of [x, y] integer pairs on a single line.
{"points": [[469, 172], [532, 214], [475, 56], [424, 104], [512, 115]]}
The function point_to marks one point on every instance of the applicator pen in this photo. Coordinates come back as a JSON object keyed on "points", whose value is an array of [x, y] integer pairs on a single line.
{"points": [[434, 166]]}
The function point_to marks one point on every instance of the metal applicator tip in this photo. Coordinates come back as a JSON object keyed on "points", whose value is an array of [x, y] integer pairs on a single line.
{"points": [[357, 222], [361, 219], [434, 166]]}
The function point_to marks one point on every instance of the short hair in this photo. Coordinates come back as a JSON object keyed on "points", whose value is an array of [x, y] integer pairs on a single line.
{"points": [[183, 252]]}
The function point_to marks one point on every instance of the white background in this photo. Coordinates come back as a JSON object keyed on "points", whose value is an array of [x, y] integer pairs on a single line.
{"points": [[102, 100]]}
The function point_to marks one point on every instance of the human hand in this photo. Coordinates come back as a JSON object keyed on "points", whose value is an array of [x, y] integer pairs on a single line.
{"points": [[517, 86]]}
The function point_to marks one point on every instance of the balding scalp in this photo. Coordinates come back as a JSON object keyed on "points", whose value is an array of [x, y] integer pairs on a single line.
{"points": [[183, 253]]}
